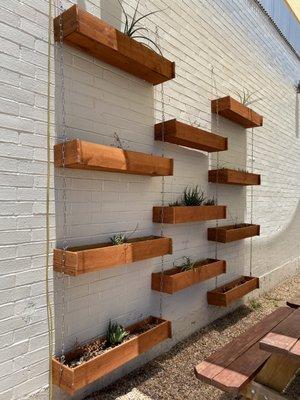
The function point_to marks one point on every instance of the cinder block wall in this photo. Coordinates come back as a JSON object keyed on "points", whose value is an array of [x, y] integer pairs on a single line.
{"points": [[240, 44]]}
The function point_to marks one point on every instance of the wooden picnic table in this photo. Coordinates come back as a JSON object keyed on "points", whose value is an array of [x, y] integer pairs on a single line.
{"points": [[260, 363]]}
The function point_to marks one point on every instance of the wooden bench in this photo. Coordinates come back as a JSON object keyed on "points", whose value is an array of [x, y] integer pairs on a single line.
{"points": [[294, 302], [236, 364]]}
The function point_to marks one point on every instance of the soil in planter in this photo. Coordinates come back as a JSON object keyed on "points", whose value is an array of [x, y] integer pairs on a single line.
{"points": [[197, 264], [85, 352], [237, 226], [231, 286]]}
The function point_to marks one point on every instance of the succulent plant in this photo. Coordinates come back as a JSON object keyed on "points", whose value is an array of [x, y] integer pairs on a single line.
{"points": [[120, 238], [187, 265], [210, 202], [193, 196], [115, 334]]}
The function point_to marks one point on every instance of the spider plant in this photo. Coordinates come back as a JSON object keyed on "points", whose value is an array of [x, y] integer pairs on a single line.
{"points": [[132, 29], [246, 97], [187, 265], [193, 196]]}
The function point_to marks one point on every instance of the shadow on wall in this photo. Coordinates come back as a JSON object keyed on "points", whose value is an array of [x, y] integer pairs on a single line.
{"points": [[111, 11]]}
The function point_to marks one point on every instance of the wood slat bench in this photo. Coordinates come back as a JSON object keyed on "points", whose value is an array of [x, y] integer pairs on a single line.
{"points": [[237, 363]]}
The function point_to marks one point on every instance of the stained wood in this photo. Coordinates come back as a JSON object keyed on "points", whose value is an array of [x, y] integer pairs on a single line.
{"points": [[233, 177], [84, 259], [80, 154], [236, 112], [92, 35], [176, 132], [283, 337], [231, 233], [295, 301], [227, 294], [211, 367], [257, 391], [73, 379], [172, 280], [182, 214]]}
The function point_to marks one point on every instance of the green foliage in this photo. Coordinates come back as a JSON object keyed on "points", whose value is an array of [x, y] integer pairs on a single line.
{"points": [[255, 304], [210, 202], [246, 97], [132, 29], [187, 265], [120, 238], [193, 196], [176, 203], [115, 334]]}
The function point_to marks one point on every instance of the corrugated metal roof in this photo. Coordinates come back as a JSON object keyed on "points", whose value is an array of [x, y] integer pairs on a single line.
{"points": [[285, 20]]}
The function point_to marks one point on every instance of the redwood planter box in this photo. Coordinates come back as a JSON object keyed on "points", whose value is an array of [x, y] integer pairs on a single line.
{"points": [[86, 155], [72, 379], [236, 112], [230, 233], [173, 280], [87, 32], [189, 136], [227, 294], [83, 259], [233, 177], [181, 214]]}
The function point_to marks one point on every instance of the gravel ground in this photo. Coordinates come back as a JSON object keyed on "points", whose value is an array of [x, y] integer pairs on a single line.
{"points": [[171, 376]]}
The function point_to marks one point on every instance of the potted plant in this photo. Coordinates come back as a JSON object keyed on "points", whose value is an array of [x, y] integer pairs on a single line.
{"points": [[231, 233]]}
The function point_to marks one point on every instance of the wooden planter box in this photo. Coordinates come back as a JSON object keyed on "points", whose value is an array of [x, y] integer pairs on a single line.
{"points": [[189, 136], [236, 112], [87, 32], [84, 259], [227, 294], [86, 155], [233, 177], [181, 214], [173, 280], [72, 379], [231, 233]]}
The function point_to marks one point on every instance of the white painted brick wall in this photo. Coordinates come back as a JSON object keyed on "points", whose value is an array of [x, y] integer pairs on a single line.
{"points": [[246, 51]]}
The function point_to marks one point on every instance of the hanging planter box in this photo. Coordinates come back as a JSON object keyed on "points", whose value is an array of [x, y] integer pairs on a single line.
{"points": [[173, 280], [182, 214], [189, 136], [84, 259], [233, 177], [72, 379], [236, 112], [86, 155], [227, 294], [88, 33], [231, 233]]}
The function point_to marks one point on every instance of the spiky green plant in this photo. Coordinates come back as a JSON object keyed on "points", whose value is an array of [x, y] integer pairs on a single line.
{"points": [[246, 97], [210, 202], [115, 334], [187, 265], [132, 29], [193, 196], [120, 238], [176, 203]]}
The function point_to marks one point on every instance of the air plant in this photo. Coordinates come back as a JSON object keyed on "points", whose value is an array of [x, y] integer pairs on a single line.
{"points": [[246, 97], [193, 196], [115, 334], [187, 265], [121, 238], [132, 29]]}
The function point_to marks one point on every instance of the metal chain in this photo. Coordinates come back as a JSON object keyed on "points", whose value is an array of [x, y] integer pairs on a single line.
{"points": [[251, 203], [64, 183], [163, 181]]}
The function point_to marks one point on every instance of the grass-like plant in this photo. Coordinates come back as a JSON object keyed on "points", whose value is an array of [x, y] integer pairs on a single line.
{"points": [[187, 265], [210, 202], [132, 29], [115, 334], [193, 196], [246, 97]]}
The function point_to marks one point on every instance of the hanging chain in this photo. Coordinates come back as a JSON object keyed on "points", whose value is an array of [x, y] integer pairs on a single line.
{"points": [[163, 182], [64, 183], [251, 203]]}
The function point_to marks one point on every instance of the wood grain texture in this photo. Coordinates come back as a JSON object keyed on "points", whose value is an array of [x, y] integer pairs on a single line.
{"points": [[227, 294], [73, 379], [283, 338], [236, 112], [92, 35], [182, 214], [172, 280], [231, 233], [223, 359], [85, 259], [233, 177], [186, 135], [80, 154], [257, 391]]}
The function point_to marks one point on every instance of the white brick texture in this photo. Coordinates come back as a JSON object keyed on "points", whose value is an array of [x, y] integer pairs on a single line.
{"points": [[240, 44]]}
